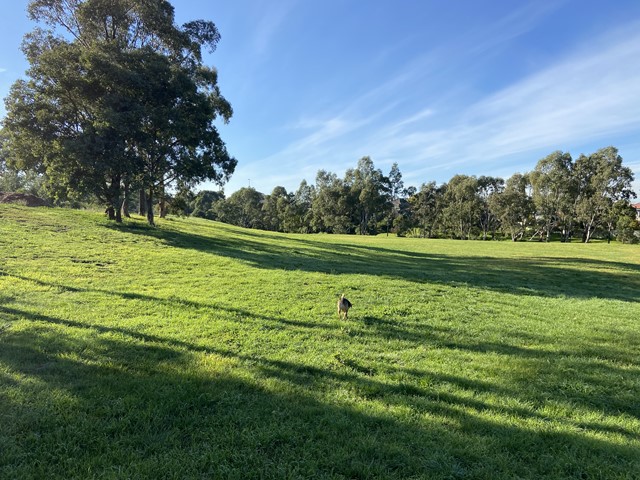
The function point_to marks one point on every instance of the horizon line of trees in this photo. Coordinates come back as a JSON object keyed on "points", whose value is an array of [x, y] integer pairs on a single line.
{"points": [[561, 197]]}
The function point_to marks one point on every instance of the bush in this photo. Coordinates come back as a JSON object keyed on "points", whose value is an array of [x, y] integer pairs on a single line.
{"points": [[627, 229]]}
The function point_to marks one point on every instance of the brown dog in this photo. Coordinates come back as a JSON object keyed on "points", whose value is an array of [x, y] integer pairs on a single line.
{"points": [[343, 307]]}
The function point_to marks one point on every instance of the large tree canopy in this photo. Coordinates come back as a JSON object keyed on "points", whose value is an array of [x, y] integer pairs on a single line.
{"points": [[116, 92]]}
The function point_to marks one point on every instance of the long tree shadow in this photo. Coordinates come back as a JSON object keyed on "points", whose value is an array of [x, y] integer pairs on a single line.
{"points": [[408, 331], [143, 406], [588, 368], [544, 276]]}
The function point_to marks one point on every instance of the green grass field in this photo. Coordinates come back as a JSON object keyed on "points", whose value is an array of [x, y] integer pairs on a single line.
{"points": [[201, 350]]}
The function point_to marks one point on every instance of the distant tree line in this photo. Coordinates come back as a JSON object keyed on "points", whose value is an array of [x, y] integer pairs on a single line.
{"points": [[561, 198]]}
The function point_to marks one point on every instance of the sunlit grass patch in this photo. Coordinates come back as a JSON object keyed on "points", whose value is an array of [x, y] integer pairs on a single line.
{"points": [[197, 349]]}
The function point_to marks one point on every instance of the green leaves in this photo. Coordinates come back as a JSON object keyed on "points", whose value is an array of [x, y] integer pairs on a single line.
{"points": [[117, 90]]}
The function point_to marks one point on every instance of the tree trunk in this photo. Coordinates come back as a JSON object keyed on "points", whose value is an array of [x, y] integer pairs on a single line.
{"points": [[142, 206], [539, 233], [125, 201], [150, 219], [111, 212], [163, 202], [590, 228], [548, 233], [113, 200]]}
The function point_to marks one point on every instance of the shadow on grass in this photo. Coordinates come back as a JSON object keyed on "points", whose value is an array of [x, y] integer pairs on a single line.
{"points": [[406, 331], [544, 276], [118, 403]]}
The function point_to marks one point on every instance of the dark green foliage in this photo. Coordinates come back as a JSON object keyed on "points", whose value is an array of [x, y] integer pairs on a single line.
{"points": [[180, 203], [274, 209], [554, 193], [462, 211], [202, 204], [369, 194], [559, 198], [627, 227], [603, 182], [242, 208], [121, 98], [487, 188], [513, 207], [427, 205], [298, 215], [332, 205]]}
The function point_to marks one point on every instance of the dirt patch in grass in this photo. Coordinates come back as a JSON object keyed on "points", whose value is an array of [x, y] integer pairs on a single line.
{"points": [[23, 199]]}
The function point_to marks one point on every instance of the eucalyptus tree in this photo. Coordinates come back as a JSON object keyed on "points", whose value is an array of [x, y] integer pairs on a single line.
{"points": [[602, 181], [396, 184], [622, 217], [203, 202], [554, 193], [243, 208], [426, 207], [15, 180], [332, 205], [274, 209], [298, 215], [405, 221], [371, 191], [463, 206], [116, 91], [395, 190], [513, 206], [59, 122], [488, 187]]}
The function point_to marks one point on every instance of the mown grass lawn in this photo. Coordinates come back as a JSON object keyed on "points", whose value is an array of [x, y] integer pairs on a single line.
{"points": [[201, 350]]}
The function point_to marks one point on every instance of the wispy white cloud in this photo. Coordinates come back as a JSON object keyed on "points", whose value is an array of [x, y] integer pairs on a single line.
{"points": [[349, 130], [327, 131], [509, 27], [590, 95], [271, 18], [415, 118]]}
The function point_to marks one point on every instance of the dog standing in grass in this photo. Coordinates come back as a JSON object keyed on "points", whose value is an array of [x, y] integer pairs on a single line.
{"points": [[343, 306]]}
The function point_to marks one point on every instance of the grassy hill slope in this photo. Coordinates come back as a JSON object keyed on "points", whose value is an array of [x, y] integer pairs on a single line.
{"points": [[198, 349]]}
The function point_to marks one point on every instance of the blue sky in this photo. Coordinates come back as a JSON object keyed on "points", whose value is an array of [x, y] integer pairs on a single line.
{"points": [[440, 87]]}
